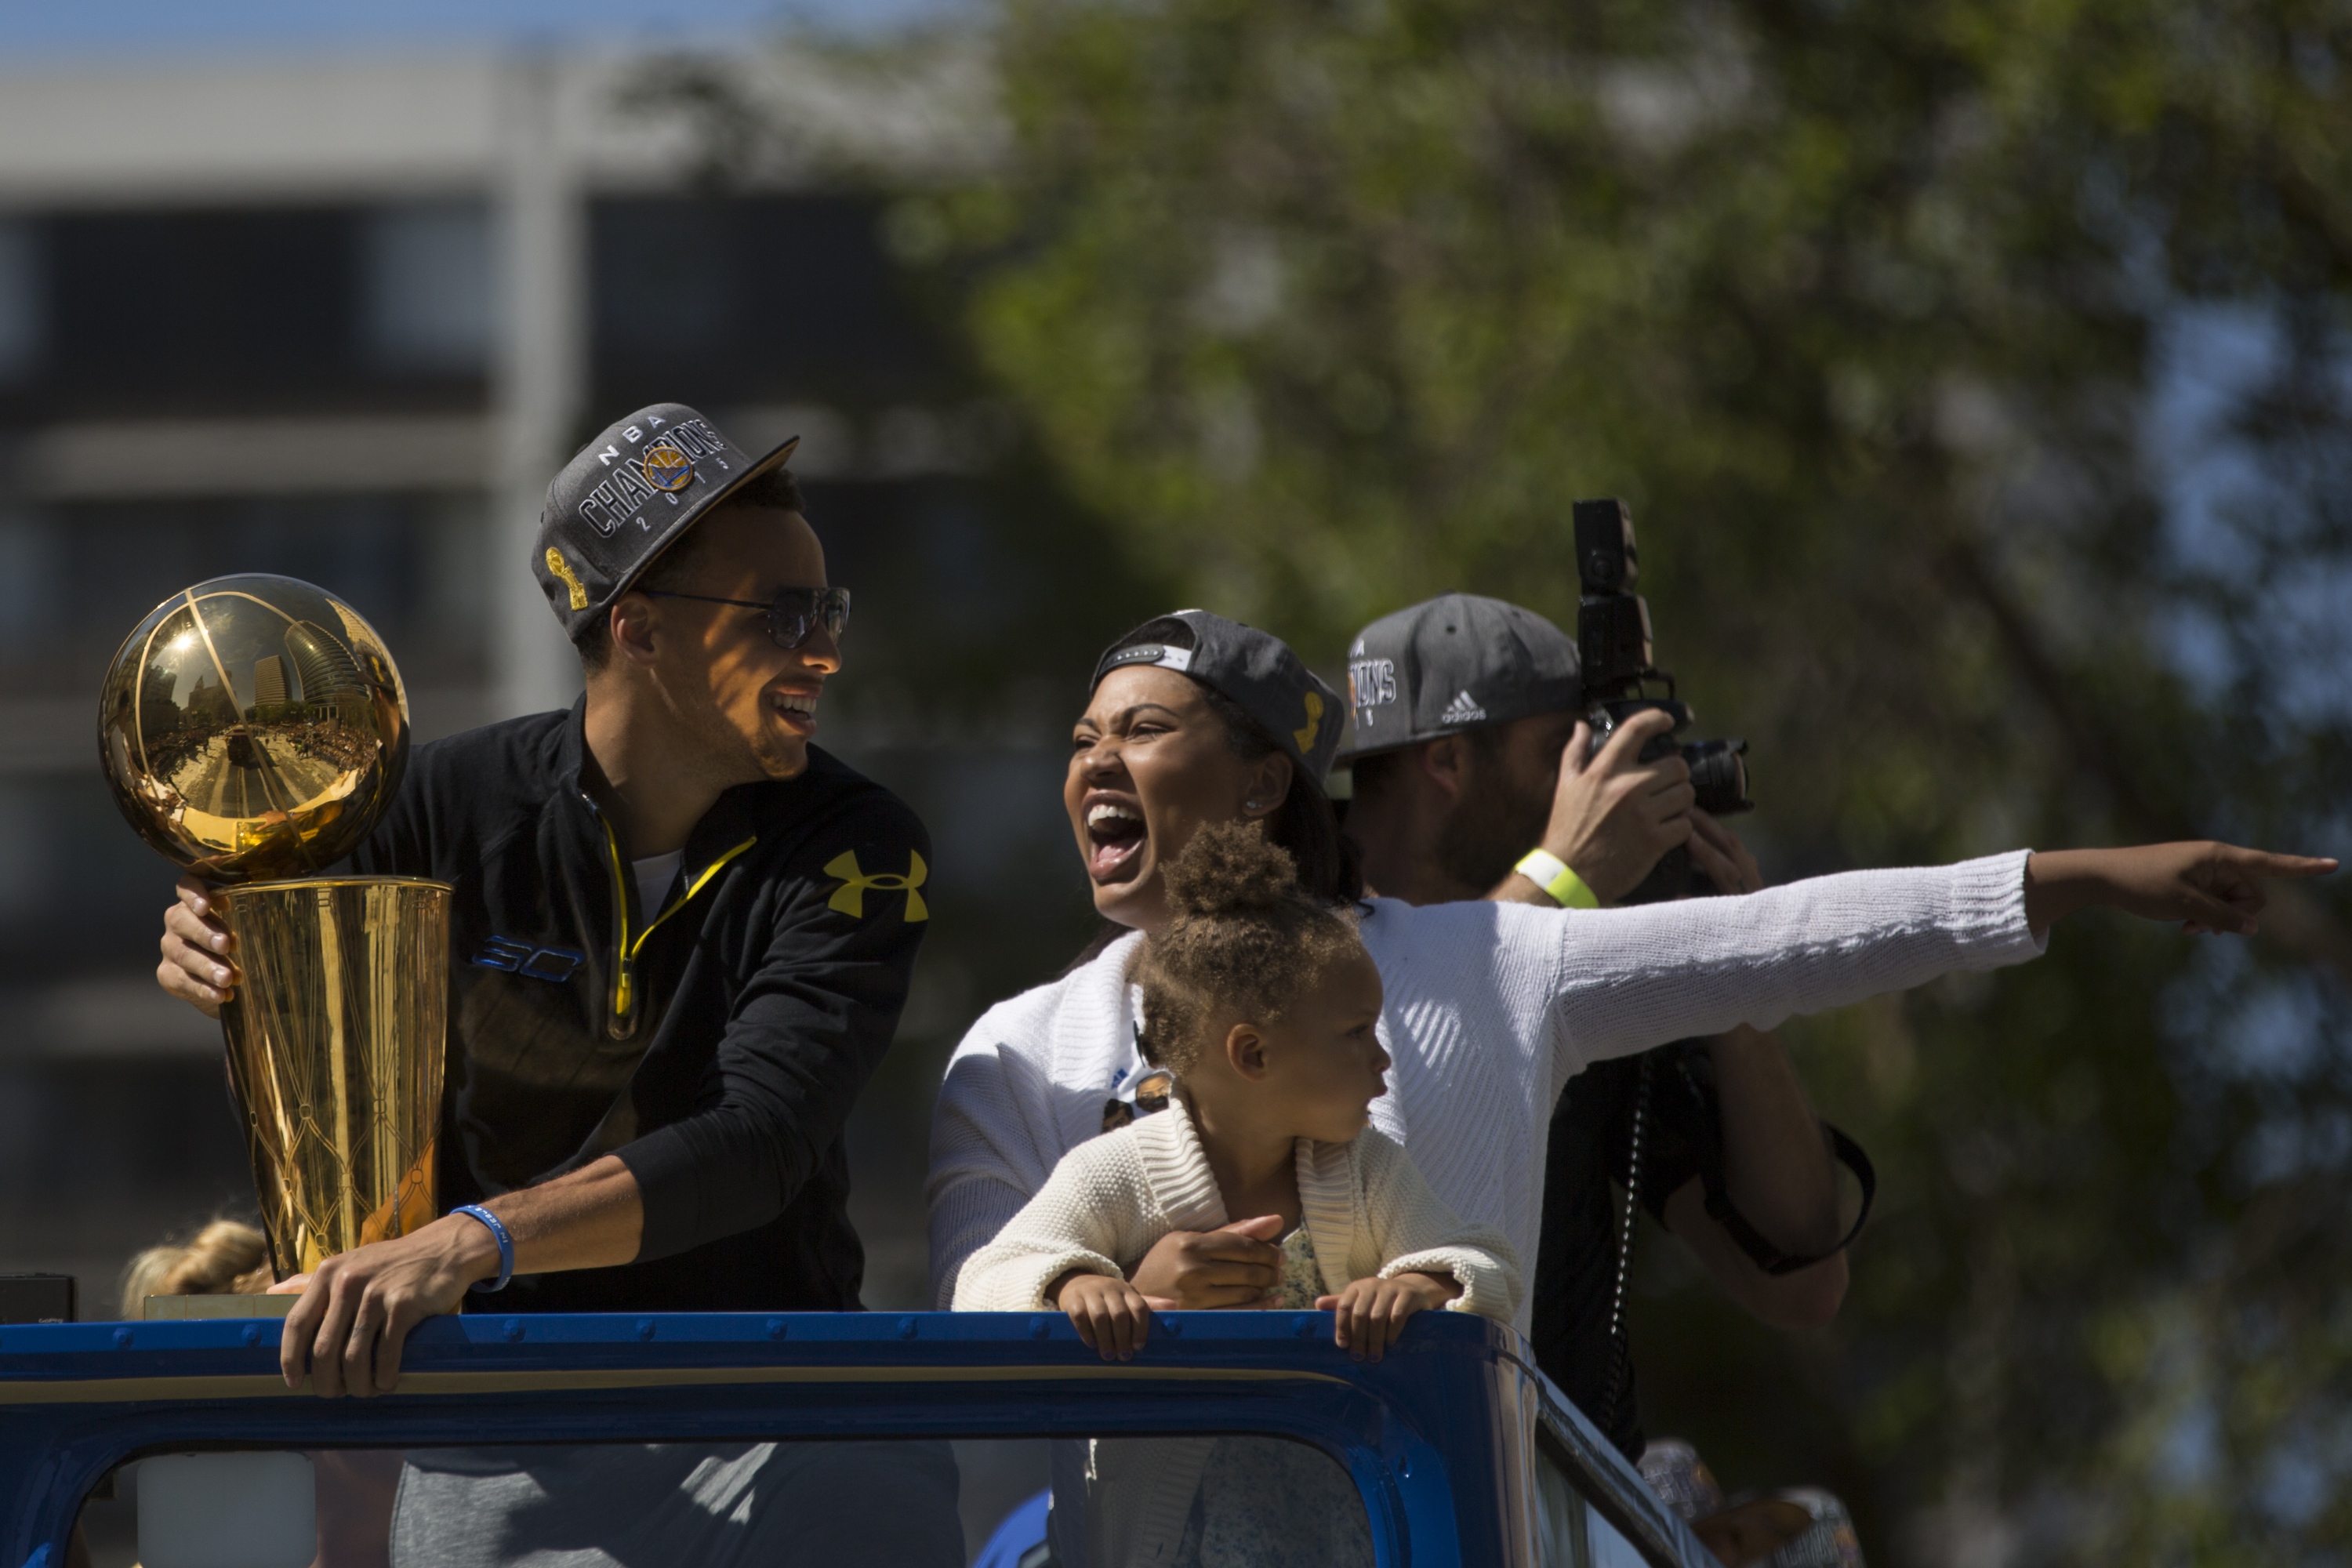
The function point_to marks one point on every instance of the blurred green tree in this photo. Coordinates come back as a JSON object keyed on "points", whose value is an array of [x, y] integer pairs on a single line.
{"points": [[1976, 370]]}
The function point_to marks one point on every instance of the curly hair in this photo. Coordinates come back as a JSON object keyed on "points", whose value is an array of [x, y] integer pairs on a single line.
{"points": [[1243, 938]]}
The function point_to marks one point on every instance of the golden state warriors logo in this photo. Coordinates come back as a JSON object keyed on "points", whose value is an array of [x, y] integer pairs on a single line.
{"points": [[667, 468], [850, 897], [1305, 735], [561, 570]]}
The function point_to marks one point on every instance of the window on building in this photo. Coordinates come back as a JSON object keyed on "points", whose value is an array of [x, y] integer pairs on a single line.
{"points": [[429, 302], [22, 301], [198, 311]]}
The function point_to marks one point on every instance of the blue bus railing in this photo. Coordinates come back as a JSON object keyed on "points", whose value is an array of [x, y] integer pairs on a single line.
{"points": [[1447, 1439]]}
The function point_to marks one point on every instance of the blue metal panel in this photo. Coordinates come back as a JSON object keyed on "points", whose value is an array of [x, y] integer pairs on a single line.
{"points": [[1432, 1434]]}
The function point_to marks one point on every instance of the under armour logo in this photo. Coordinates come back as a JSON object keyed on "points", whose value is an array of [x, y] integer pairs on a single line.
{"points": [[850, 897], [1462, 710]]}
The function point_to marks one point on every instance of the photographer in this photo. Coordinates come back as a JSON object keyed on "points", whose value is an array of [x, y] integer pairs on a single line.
{"points": [[1470, 750]]}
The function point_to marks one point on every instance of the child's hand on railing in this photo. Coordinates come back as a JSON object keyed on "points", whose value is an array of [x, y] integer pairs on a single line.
{"points": [[1110, 1315], [1369, 1315]]}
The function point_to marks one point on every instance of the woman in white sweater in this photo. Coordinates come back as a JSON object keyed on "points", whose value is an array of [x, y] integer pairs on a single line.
{"points": [[1489, 1008]]}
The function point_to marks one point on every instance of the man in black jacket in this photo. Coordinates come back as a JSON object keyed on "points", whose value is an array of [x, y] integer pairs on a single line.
{"points": [[680, 937], [680, 940]]}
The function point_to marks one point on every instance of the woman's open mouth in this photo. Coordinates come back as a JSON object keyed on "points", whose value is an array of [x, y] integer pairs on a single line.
{"points": [[1115, 840]]}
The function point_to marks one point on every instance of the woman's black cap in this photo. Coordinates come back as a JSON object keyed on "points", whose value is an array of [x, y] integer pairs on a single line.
{"points": [[1256, 669]]}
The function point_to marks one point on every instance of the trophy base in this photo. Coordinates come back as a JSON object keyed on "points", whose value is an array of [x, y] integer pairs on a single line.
{"points": [[336, 1040]]}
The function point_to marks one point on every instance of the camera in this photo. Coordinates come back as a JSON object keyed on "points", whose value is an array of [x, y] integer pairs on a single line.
{"points": [[1612, 645]]}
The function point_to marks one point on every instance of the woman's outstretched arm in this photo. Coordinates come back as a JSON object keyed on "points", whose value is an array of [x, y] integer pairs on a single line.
{"points": [[1627, 979]]}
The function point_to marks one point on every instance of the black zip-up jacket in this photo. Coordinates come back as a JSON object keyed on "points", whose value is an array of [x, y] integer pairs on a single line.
{"points": [[715, 1045]]}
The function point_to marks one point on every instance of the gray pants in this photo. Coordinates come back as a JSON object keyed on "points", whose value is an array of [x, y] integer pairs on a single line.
{"points": [[739, 1505]]}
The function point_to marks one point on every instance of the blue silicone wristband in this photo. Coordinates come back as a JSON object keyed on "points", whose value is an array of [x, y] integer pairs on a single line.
{"points": [[506, 1246]]}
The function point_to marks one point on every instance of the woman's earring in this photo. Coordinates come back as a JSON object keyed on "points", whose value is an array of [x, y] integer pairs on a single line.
{"points": [[1252, 806]]}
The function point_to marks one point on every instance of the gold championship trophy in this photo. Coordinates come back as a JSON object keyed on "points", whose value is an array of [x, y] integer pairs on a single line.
{"points": [[254, 729]]}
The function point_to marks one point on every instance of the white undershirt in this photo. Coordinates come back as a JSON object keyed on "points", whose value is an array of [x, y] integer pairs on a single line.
{"points": [[654, 874]]}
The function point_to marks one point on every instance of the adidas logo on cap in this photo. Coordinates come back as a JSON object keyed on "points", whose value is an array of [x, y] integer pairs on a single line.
{"points": [[1462, 710]]}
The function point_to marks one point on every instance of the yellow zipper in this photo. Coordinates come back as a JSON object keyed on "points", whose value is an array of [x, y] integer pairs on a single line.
{"points": [[624, 951]]}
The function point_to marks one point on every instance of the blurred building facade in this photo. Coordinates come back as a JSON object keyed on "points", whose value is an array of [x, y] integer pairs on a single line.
{"points": [[341, 320]]}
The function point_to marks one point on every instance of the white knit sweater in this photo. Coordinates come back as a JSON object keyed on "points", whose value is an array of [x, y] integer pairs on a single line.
{"points": [[1366, 1209], [1490, 1009]]}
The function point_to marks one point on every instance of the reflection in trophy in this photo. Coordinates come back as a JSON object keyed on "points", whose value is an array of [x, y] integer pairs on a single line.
{"points": [[254, 729]]}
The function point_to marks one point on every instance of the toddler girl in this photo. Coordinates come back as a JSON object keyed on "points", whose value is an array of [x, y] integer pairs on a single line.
{"points": [[1263, 1002]]}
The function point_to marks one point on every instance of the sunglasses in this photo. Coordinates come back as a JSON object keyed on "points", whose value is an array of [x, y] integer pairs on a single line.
{"points": [[791, 616]]}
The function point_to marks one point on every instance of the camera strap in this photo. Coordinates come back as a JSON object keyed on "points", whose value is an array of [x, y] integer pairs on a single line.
{"points": [[1690, 1085], [1774, 1260], [1693, 1075]]}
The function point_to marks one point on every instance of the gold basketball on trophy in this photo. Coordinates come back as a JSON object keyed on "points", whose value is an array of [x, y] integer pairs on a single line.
{"points": [[254, 729]]}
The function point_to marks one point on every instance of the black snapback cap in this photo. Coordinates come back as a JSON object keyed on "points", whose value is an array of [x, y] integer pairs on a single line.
{"points": [[626, 497], [1256, 669], [1457, 662]]}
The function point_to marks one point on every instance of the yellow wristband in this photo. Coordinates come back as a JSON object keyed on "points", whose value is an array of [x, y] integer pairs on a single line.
{"points": [[1551, 873]]}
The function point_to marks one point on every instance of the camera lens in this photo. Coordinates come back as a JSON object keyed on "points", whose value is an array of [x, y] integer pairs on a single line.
{"points": [[1719, 775]]}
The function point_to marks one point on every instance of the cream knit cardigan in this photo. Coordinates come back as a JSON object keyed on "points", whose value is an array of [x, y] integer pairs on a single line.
{"points": [[1366, 1209], [1490, 1009]]}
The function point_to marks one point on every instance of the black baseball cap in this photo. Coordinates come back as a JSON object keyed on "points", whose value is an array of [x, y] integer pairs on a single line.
{"points": [[1256, 669], [1457, 662], [626, 497]]}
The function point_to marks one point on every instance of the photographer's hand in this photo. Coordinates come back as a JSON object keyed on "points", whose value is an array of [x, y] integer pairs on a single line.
{"points": [[1721, 854], [2207, 887], [1612, 816]]}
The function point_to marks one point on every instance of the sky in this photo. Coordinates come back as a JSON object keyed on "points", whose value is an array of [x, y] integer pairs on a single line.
{"points": [[119, 29]]}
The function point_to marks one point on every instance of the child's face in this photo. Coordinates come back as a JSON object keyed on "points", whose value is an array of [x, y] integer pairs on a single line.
{"points": [[1323, 1062]]}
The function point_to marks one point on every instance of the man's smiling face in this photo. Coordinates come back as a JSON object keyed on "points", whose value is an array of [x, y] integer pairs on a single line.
{"points": [[752, 704]]}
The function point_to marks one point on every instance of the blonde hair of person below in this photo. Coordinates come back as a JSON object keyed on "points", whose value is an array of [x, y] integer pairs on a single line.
{"points": [[227, 1258]]}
